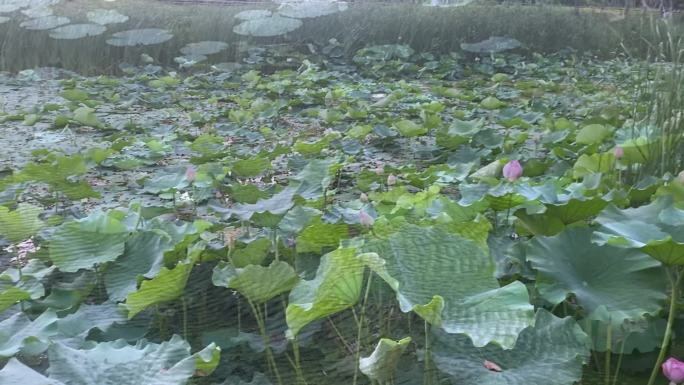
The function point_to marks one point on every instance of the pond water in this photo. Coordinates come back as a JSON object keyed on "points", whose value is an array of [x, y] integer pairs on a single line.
{"points": [[323, 192]]}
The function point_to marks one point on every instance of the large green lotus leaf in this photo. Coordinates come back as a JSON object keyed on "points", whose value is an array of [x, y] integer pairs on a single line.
{"points": [[168, 285], [168, 363], [423, 262], [16, 373], [652, 228], [278, 204], [88, 317], [594, 163], [558, 215], [257, 283], [21, 223], [314, 178], [410, 128], [381, 365], [610, 283], [593, 134], [81, 244], [143, 255], [21, 285], [317, 236], [549, 353], [19, 334], [336, 287]]}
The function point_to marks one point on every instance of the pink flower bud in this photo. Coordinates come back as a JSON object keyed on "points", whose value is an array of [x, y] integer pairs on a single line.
{"points": [[391, 180], [365, 219], [681, 176], [673, 369], [363, 198], [619, 152], [190, 173], [512, 170]]}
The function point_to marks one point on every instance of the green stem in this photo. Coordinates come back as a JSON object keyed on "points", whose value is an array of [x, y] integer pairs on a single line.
{"points": [[185, 317], [360, 328], [619, 363], [668, 329], [427, 360], [270, 360], [609, 344]]}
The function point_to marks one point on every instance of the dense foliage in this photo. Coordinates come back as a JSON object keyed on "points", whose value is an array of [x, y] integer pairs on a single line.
{"points": [[336, 222]]}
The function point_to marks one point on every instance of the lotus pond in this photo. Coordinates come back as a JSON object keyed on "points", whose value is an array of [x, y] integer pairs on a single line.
{"points": [[304, 214]]}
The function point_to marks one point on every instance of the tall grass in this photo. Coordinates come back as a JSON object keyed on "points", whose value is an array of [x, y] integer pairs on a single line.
{"points": [[659, 104]]}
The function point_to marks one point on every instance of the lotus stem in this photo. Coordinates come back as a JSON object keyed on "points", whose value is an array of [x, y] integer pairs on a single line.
{"points": [[270, 360], [619, 363], [427, 360], [361, 320], [609, 345], [674, 281], [184, 304]]}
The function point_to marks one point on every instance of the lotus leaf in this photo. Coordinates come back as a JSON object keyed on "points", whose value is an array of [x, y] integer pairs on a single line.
{"points": [[610, 283], [551, 352]]}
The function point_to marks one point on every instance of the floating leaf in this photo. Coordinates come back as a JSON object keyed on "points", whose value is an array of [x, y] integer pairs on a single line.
{"points": [[268, 26], [492, 45], [16, 373], [134, 37], [204, 48], [253, 14], [611, 284], [46, 22], [77, 31], [106, 16], [310, 9], [551, 352]]}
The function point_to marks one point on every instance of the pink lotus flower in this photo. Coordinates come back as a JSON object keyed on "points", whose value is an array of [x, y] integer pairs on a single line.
{"points": [[365, 219], [512, 170], [190, 173], [391, 180], [673, 369], [681, 176], [619, 152], [363, 198]]}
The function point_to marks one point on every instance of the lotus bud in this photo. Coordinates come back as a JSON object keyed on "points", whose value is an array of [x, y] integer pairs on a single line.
{"points": [[391, 180], [681, 176], [673, 369], [365, 219], [190, 173], [512, 170], [363, 198], [619, 152]]}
